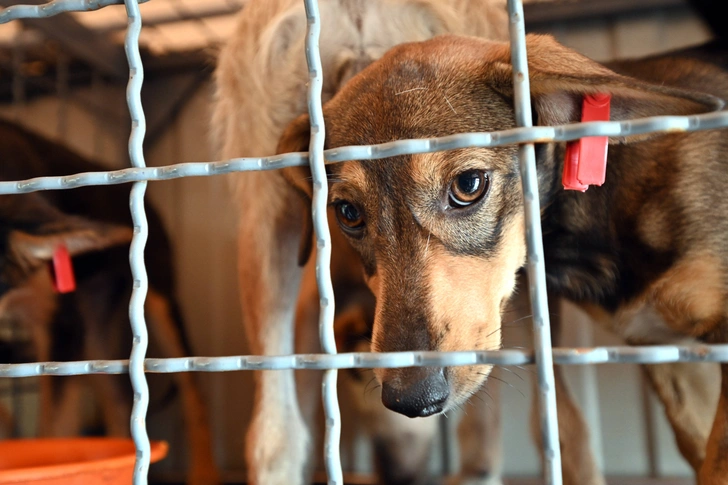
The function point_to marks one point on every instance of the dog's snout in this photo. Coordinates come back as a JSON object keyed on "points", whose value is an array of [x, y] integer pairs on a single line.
{"points": [[416, 392]]}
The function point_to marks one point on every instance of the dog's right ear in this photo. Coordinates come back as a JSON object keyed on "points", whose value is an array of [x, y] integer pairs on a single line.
{"points": [[561, 77], [296, 138]]}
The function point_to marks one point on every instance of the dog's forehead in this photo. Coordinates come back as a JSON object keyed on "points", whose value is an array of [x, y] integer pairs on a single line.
{"points": [[419, 90]]}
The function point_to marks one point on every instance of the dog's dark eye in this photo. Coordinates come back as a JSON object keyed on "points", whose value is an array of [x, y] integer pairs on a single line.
{"points": [[468, 188], [349, 216]]}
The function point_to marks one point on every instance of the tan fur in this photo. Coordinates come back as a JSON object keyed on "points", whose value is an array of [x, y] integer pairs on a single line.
{"points": [[464, 289], [692, 291], [690, 398], [653, 227]]}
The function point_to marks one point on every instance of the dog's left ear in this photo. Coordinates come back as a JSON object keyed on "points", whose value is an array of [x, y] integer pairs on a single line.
{"points": [[296, 138], [561, 77], [78, 235], [35, 229]]}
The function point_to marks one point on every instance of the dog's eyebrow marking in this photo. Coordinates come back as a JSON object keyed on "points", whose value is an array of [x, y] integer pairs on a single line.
{"points": [[410, 90], [448, 103]]}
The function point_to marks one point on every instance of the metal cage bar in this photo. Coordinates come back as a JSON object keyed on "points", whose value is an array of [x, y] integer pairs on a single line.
{"points": [[330, 361], [656, 354], [332, 436], [546, 387], [140, 287], [55, 7], [536, 134]]}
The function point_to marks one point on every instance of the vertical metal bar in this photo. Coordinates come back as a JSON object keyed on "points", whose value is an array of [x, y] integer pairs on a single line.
{"points": [[136, 253], [536, 268], [332, 438]]}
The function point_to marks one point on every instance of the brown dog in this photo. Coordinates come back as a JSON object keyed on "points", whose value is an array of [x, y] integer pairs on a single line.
{"points": [[261, 87], [441, 236], [91, 323]]}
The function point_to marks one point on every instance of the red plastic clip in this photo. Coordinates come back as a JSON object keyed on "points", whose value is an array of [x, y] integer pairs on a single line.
{"points": [[585, 163], [62, 271]]}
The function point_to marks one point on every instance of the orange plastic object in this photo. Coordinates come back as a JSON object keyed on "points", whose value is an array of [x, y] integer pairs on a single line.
{"points": [[71, 461]]}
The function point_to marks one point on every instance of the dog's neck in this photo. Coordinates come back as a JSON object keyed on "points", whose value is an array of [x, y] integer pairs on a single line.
{"points": [[591, 243]]}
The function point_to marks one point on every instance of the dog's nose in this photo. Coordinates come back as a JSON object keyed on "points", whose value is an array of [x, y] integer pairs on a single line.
{"points": [[416, 392]]}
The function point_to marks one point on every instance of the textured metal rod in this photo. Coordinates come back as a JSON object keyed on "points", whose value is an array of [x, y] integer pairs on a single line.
{"points": [[546, 389], [55, 7], [657, 354], [136, 253], [537, 134], [332, 437]]}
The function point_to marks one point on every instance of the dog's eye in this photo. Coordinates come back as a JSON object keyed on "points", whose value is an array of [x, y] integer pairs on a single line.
{"points": [[468, 188], [349, 216]]}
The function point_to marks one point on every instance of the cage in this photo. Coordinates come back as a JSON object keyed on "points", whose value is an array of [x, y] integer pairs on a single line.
{"points": [[65, 77]]}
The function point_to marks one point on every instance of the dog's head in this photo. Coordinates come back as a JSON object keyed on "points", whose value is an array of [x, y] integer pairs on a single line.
{"points": [[31, 229], [441, 235]]}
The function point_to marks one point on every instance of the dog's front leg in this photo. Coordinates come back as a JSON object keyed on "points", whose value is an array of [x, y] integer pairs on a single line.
{"points": [[308, 382], [65, 417], [480, 439], [715, 467], [578, 466], [689, 393], [269, 235], [164, 324]]}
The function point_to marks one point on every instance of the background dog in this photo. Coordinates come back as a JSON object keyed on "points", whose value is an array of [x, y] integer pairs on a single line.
{"points": [[94, 223], [646, 250], [261, 86]]}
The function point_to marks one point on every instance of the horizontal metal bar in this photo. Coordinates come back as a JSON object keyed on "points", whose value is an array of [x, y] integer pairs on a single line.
{"points": [[536, 134], [656, 354], [55, 7], [202, 11]]}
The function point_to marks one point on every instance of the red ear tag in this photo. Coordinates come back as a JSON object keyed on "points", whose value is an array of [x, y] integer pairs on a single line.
{"points": [[62, 271], [585, 163]]}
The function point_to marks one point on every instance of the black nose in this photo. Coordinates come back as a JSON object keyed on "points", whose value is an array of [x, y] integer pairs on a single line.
{"points": [[416, 392]]}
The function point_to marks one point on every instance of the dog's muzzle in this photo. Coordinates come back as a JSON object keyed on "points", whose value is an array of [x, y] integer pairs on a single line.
{"points": [[415, 392]]}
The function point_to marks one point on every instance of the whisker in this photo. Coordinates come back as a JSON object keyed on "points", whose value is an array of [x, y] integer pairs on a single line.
{"points": [[448, 103], [524, 369], [518, 319], [508, 384], [410, 90], [511, 371], [374, 378]]}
